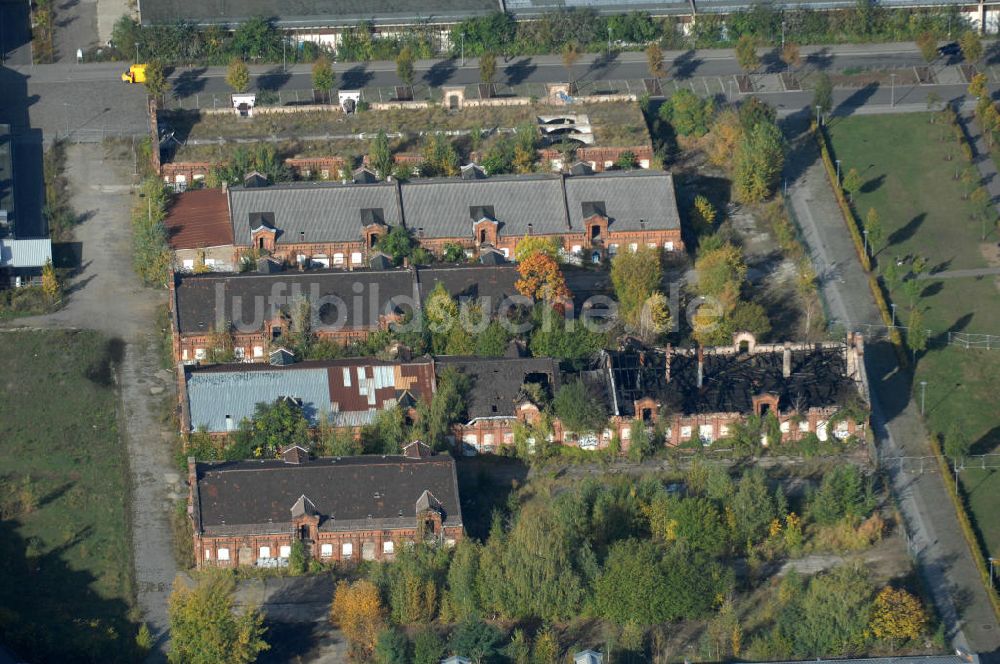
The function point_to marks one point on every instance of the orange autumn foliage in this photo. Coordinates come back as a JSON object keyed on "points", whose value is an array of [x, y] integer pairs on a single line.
{"points": [[357, 610], [541, 279]]}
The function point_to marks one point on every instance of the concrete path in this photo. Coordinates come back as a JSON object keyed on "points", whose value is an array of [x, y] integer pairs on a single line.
{"points": [[984, 161], [105, 296], [943, 557]]}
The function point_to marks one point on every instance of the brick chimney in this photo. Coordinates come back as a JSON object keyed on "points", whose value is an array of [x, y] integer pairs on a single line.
{"points": [[786, 361]]}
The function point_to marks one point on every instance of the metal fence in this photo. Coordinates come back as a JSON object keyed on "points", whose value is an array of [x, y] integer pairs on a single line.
{"points": [[963, 340]]}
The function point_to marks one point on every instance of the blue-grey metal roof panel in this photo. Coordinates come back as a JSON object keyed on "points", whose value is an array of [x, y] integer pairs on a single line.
{"points": [[212, 396]]}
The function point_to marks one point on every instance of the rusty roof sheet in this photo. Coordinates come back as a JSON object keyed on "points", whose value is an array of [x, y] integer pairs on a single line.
{"points": [[199, 218]]}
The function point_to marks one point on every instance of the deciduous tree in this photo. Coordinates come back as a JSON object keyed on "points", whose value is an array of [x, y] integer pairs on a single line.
{"points": [[852, 182], [759, 159], [205, 629], [541, 279], [687, 113], [746, 53], [536, 244], [971, 45], [790, 55], [897, 614], [487, 68], [654, 60], [876, 232], [50, 282], [156, 81], [578, 408], [238, 76], [635, 275], [570, 55], [357, 611], [927, 43], [823, 93], [404, 65], [379, 155], [323, 77]]}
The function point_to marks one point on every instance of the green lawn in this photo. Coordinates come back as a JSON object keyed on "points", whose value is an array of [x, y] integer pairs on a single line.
{"points": [[66, 587], [907, 178], [979, 486]]}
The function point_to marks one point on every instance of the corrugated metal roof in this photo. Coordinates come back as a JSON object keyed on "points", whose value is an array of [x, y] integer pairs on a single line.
{"points": [[313, 212], [628, 197], [441, 207], [25, 253], [198, 218], [213, 396]]}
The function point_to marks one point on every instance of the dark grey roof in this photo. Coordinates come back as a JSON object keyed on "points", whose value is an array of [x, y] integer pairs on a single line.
{"points": [[347, 492], [627, 198], [496, 382], [6, 174], [313, 211], [314, 13], [441, 207], [247, 300], [495, 282]]}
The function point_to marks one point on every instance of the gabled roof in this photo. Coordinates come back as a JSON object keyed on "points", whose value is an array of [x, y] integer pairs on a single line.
{"points": [[347, 493], [627, 198], [198, 218], [346, 392], [303, 506], [248, 300], [313, 211], [25, 253], [440, 206]]}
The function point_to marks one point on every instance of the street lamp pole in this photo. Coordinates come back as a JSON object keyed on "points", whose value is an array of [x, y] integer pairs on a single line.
{"points": [[923, 395], [782, 35]]}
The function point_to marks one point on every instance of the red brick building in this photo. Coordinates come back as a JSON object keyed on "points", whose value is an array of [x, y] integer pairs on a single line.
{"points": [[344, 509], [338, 225]]}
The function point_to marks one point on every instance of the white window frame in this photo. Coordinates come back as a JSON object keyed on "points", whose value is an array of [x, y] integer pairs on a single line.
{"points": [[239, 352], [188, 263], [388, 547], [347, 550], [258, 351], [325, 550], [633, 247], [223, 553], [669, 246], [355, 257], [284, 551], [208, 554], [338, 259], [200, 354], [264, 552]]}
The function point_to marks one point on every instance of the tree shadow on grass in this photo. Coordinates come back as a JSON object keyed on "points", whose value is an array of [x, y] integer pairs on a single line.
{"points": [[906, 232], [932, 289], [988, 442], [51, 613], [873, 184]]}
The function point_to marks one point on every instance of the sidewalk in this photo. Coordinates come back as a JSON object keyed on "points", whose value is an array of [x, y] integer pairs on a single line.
{"points": [[935, 539], [983, 160]]}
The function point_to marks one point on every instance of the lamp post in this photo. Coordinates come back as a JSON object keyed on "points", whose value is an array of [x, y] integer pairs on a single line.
{"points": [[782, 34], [923, 395], [893, 305], [892, 89], [463, 49]]}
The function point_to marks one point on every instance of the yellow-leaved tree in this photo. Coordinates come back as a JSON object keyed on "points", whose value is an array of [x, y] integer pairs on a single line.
{"points": [[897, 614], [357, 611]]}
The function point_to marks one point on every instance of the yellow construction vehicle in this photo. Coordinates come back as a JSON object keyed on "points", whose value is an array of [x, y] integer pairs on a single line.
{"points": [[135, 74]]}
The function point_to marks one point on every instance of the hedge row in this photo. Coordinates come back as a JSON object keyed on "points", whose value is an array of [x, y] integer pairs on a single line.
{"points": [[966, 525], [854, 226]]}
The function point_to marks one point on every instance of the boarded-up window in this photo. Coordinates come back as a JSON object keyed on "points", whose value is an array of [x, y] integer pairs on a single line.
{"points": [[368, 550]]}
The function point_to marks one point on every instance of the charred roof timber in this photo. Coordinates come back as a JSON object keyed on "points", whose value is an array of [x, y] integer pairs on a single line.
{"points": [[727, 379]]}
